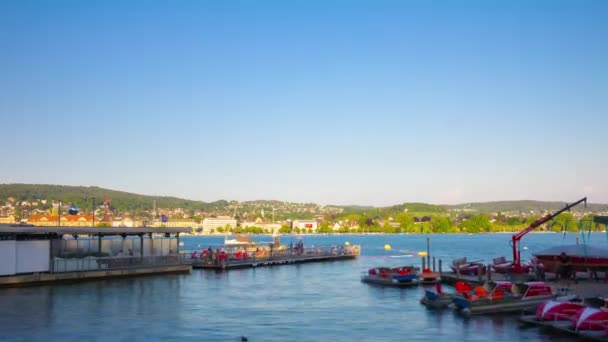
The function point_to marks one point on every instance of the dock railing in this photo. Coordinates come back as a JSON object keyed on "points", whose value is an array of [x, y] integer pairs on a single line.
{"points": [[90, 263], [205, 258]]}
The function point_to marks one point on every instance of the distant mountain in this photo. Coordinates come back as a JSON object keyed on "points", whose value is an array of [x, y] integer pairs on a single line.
{"points": [[525, 206], [83, 196]]}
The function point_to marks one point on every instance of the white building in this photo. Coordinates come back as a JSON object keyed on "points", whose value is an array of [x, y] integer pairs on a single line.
{"points": [[309, 226], [217, 222], [271, 228]]}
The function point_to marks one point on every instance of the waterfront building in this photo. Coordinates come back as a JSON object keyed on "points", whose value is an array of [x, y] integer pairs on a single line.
{"points": [[270, 228], [46, 254], [309, 226], [126, 222], [214, 223], [64, 221]]}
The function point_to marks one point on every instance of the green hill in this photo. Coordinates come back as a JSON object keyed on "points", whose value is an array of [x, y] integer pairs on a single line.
{"points": [[526, 206], [83, 196]]}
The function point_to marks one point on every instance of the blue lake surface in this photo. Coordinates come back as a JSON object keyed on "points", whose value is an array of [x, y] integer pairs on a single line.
{"points": [[306, 302]]}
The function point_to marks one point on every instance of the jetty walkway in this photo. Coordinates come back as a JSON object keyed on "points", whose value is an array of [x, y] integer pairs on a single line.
{"points": [[237, 260]]}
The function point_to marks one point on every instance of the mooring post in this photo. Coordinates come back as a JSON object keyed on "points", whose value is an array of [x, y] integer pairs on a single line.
{"points": [[479, 275], [428, 251], [434, 264], [457, 272], [489, 273], [440, 262]]}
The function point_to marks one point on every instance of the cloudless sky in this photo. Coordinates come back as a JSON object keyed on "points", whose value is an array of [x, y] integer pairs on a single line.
{"points": [[335, 102]]}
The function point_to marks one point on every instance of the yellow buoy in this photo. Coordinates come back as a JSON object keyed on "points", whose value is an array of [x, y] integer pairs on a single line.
{"points": [[387, 247], [422, 254], [347, 243]]}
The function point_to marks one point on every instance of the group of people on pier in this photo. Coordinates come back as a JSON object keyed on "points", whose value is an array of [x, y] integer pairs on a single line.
{"points": [[221, 256], [209, 255]]}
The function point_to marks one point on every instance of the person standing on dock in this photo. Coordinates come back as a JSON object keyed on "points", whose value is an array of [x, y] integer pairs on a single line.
{"points": [[564, 272]]}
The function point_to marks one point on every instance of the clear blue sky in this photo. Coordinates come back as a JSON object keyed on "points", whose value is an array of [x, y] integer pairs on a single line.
{"points": [[334, 102]]}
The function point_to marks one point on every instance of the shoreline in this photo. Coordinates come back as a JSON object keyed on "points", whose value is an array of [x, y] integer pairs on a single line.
{"points": [[337, 234]]}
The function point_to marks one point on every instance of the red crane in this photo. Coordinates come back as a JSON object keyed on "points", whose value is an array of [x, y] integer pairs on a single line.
{"points": [[516, 237]]}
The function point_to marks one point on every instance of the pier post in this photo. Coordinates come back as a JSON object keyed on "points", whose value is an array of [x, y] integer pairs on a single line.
{"points": [[479, 275], [141, 247], [434, 264], [489, 273], [457, 272], [440, 262], [428, 252], [151, 245], [423, 263]]}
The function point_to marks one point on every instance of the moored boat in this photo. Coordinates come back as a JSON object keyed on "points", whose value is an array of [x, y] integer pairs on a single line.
{"points": [[439, 300], [554, 310], [429, 277], [498, 299], [463, 266], [502, 266], [581, 258], [398, 276], [590, 319]]}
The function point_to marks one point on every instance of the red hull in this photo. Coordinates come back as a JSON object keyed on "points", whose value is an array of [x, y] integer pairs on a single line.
{"points": [[582, 258]]}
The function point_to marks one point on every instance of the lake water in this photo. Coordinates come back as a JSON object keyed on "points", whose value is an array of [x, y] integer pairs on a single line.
{"points": [[306, 302]]}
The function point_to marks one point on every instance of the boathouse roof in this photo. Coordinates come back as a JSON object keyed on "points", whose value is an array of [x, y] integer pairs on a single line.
{"points": [[18, 229], [601, 219]]}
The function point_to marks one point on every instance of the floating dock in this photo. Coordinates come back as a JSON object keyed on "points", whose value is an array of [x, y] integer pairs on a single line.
{"points": [[565, 327], [71, 277], [321, 255]]}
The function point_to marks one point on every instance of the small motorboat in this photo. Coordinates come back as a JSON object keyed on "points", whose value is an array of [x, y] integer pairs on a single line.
{"points": [[440, 300], [554, 310], [398, 276], [590, 319], [465, 267], [429, 277], [498, 297], [502, 266]]}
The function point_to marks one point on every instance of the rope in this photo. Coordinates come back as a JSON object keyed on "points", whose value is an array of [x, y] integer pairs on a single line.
{"points": [[582, 229]]}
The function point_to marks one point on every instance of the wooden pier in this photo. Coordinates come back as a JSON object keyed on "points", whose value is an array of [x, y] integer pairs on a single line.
{"points": [[270, 262], [278, 260]]}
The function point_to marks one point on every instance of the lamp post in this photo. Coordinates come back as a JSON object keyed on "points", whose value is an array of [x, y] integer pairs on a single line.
{"points": [[59, 215]]}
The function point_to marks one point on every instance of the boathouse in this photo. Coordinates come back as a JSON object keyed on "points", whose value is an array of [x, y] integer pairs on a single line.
{"points": [[31, 255]]}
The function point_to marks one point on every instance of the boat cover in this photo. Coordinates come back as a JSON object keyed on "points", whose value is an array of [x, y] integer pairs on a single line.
{"points": [[575, 250]]}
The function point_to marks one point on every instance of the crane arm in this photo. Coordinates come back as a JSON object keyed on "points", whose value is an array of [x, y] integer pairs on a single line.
{"points": [[517, 237]]}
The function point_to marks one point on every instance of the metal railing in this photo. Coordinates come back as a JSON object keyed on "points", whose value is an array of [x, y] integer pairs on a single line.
{"points": [[212, 258], [112, 263]]}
